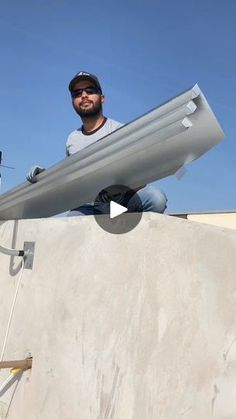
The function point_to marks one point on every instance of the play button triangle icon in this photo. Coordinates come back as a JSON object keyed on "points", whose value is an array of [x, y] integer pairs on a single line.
{"points": [[116, 209], [109, 205]]}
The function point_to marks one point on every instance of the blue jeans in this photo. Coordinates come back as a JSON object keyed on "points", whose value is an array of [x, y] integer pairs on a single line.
{"points": [[152, 199]]}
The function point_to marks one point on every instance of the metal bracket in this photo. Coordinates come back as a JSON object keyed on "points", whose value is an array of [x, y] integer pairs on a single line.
{"points": [[29, 254]]}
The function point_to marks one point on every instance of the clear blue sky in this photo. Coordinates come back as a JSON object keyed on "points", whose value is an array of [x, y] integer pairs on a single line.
{"points": [[144, 52]]}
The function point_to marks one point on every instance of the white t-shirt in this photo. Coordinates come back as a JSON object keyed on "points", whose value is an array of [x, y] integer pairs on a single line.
{"points": [[79, 139]]}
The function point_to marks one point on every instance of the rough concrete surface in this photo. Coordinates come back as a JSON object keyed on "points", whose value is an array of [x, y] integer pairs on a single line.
{"points": [[133, 326]]}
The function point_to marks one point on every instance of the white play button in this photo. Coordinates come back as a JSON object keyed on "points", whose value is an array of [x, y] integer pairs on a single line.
{"points": [[111, 203], [116, 209]]}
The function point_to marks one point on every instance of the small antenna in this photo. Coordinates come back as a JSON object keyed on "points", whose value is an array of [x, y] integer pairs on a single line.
{"points": [[5, 167], [0, 172]]}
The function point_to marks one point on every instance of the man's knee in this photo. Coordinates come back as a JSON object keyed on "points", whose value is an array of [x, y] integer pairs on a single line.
{"points": [[153, 199]]}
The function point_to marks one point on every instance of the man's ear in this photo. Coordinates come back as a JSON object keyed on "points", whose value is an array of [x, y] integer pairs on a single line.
{"points": [[102, 99]]}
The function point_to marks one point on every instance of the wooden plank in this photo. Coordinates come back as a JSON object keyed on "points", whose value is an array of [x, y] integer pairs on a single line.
{"points": [[23, 364]]}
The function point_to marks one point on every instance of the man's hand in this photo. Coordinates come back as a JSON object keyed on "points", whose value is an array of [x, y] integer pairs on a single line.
{"points": [[104, 196], [32, 175]]}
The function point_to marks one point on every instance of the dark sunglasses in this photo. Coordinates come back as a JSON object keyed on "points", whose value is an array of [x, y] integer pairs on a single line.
{"points": [[89, 90]]}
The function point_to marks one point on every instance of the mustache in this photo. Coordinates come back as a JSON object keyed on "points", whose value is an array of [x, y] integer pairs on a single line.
{"points": [[86, 101]]}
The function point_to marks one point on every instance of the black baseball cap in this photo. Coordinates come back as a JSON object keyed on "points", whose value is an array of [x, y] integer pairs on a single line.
{"points": [[84, 75]]}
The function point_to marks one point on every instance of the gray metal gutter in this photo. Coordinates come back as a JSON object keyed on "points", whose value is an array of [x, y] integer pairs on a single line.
{"points": [[149, 148], [208, 212]]}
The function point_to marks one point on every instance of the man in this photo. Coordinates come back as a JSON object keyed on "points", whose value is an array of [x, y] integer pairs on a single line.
{"points": [[87, 101]]}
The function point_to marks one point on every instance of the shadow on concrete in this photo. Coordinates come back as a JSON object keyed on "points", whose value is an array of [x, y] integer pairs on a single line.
{"points": [[14, 268]]}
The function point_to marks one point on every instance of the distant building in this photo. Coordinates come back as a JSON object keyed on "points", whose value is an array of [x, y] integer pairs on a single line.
{"points": [[225, 219]]}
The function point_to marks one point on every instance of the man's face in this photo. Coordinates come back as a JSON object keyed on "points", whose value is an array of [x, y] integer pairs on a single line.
{"points": [[87, 105]]}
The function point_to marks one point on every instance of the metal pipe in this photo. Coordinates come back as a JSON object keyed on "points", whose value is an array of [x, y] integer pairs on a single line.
{"points": [[11, 252]]}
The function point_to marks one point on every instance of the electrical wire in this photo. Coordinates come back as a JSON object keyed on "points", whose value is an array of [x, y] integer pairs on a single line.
{"points": [[11, 252], [4, 384], [14, 373], [12, 310]]}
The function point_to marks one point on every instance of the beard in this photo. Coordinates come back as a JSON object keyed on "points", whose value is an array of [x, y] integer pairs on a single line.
{"points": [[93, 110]]}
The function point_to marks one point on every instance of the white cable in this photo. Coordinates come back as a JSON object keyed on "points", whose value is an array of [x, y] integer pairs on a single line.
{"points": [[12, 311], [4, 384], [11, 252], [14, 373]]}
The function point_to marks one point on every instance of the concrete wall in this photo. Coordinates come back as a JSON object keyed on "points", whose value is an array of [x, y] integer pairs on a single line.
{"points": [[134, 326]]}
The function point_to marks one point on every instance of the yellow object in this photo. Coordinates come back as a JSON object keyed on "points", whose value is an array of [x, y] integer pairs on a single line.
{"points": [[15, 371]]}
